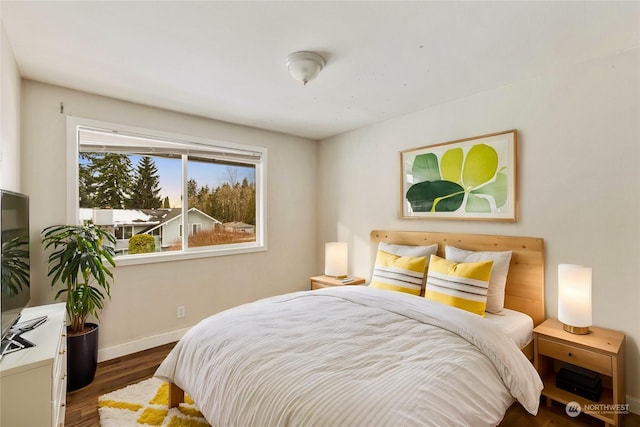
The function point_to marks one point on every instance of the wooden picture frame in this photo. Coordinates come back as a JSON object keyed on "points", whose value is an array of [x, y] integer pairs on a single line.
{"points": [[467, 179]]}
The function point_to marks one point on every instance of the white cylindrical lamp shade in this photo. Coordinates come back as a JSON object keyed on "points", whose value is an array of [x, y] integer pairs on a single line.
{"points": [[574, 297], [336, 259]]}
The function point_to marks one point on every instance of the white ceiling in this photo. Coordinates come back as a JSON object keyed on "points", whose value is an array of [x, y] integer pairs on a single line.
{"points": [[225, 60]]}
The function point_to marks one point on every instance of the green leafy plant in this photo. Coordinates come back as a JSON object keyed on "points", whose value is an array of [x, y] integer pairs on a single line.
{"points": [[142, 244], [457, 180], [80, 260], [15, 265]]}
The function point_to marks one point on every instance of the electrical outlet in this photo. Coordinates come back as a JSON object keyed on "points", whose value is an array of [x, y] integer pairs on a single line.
{"points": [[181, 312]]}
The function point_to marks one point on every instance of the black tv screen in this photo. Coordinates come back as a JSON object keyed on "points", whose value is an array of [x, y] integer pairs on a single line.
{"points": [[15, 281]]}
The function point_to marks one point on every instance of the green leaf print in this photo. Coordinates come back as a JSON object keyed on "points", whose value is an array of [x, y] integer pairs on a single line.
{"points": [[440, 185], [497, 189], [477, 204], [436, 196], [480, 166], [451, 165], [425, 167]]}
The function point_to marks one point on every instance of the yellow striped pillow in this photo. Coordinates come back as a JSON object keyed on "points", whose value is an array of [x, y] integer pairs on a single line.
{"points": [[401, 268], [459, 284]]}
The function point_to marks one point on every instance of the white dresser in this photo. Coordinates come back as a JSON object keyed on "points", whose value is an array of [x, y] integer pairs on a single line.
{"points": [[33, 381]]}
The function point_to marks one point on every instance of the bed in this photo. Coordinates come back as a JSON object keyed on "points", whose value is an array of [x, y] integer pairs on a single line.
{"points": [[356, 355]]}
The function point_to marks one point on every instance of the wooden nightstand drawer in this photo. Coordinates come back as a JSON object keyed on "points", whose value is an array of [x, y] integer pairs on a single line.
{"points": [[576, 356]]}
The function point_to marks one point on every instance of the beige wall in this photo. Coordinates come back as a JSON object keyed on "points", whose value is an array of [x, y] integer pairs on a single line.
{"points": [[145, 297], [579, 180], [9, 117]]}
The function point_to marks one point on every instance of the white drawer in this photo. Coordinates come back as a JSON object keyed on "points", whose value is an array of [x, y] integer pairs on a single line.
{"points": [[59, 383]]}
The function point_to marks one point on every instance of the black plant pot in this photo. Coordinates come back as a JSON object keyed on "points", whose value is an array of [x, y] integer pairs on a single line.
{"points": [[82, 358]]}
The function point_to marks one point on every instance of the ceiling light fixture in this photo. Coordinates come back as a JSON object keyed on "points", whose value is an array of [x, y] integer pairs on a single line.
{"points": [[304, 66]]}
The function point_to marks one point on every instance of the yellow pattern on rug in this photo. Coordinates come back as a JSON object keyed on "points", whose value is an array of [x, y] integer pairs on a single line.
{"points": [[146, 404]]}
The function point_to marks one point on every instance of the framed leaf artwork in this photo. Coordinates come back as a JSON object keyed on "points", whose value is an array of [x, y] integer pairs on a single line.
{"points": [[467, 179]]}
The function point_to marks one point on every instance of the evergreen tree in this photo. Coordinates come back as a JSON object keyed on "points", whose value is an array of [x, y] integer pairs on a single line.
{"points": [[146, 187], [112, 180], [192, 188], [86, 180], [193, 199], [230, 201], [248, 201], [166, 204]]}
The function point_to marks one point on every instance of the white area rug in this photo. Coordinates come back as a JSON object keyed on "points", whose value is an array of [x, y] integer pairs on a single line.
{"points": [[146, 404]]}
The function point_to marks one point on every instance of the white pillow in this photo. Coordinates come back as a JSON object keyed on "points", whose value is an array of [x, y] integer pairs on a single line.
{"points": [[404, 250], [499, 272]]}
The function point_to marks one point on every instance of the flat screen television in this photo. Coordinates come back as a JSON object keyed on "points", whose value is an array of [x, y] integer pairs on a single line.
{"points": [[15, 270]]}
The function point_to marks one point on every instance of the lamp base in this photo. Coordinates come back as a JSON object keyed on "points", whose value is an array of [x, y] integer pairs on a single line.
{"points": [[578, 330], [342, 276]]}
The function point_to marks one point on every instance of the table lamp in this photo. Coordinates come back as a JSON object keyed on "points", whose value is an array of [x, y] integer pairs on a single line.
{"points": [[335, 259], [574, 298]]}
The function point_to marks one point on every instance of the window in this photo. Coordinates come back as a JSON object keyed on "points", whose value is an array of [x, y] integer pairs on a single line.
{"points": [[138, 181], [123, 232]]}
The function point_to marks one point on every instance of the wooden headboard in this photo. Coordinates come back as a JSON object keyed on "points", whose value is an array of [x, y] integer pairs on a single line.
{"points": [[525, 283]]}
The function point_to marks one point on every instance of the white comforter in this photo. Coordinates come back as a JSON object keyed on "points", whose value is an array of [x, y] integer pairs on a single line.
{"points": [[350, 356]]}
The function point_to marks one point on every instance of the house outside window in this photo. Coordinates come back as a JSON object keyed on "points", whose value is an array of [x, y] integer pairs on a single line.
{"points": [[123, 232], [139, 181]]}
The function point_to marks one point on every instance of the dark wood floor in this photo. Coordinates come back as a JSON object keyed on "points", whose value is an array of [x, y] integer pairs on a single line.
{"points": [[82, 408], [82, 405]]}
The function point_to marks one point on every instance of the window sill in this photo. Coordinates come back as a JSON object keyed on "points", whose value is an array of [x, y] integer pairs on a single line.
{"points": [[233, 249]]}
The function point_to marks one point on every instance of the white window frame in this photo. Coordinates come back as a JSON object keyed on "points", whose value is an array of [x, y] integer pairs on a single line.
{"points": [[124, 227], [74, 124]]}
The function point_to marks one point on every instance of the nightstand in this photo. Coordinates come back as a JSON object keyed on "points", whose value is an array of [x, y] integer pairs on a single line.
{"points": [[602, 351], [319, 282]]}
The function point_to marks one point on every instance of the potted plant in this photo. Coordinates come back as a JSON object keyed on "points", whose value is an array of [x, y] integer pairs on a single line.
{"points": [[80, 261], [15, 265]]}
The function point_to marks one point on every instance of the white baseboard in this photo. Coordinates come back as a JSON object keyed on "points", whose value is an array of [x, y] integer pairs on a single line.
{"points": [[634, 404], [146, 343]]}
